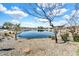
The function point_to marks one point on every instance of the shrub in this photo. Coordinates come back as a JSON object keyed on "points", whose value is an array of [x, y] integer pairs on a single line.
{"points": [[6, 34], [50, 36], [13, 33], [76, 37], [65, 37], [9, 32]]}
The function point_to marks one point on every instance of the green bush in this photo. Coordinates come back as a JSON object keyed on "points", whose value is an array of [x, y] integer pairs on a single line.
{"points": [[65, 37], [76, 38]]}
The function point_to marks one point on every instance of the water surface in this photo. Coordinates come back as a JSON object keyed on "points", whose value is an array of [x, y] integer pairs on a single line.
{"points": [[35, 34]]}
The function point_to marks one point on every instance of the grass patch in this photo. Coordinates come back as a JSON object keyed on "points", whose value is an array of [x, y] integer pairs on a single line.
{"points": [[65, 37], [76, 38], [77, 52]]}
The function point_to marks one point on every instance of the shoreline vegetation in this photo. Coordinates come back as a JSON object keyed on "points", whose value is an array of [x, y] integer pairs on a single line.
{"points": [[35, 47]]}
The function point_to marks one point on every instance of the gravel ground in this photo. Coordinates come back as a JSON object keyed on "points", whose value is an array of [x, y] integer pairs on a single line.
{"points": [[37, 47]]}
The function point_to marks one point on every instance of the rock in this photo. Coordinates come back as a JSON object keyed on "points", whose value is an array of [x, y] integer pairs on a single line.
{"points": [[27, 50], [19, 40], [71, 37], [59, 37], [1, 38]]}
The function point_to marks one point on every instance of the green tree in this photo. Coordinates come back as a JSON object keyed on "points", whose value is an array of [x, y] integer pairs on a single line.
{"points": [[7, 25]]}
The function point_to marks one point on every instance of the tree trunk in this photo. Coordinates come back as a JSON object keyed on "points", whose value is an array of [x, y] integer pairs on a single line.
{"points": [[56, 40], [55, 32], [16, 36]]}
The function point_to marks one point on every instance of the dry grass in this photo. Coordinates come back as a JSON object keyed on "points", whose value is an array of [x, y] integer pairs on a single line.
{"points": [[38, 47]]}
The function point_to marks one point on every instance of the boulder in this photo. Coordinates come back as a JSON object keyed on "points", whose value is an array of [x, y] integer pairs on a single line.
{"points": [[19, 40], [25, 50], [59, 37]]}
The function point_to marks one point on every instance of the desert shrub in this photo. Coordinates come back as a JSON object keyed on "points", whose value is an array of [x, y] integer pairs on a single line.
{"points": [[13, 33], [50, 36], [6, 34], [76, 37], [65, 37], [9, 32]]}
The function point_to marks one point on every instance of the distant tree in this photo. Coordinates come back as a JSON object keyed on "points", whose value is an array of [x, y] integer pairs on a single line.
{"points": [[47, 11], [40, 28], [7, 25]]}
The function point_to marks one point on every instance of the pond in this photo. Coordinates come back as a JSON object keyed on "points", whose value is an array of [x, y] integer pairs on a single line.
{"points": [[35, 34]]}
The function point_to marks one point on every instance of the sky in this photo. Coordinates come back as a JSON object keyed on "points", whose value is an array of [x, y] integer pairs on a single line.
{"points": [[15, 13]]}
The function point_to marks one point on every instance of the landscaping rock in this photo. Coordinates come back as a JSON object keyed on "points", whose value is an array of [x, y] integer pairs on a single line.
{"points": [[71, 37]]}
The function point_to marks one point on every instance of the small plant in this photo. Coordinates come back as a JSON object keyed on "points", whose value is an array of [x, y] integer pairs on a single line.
{"points": [[50, 36], [76, 37], [65, 37]]}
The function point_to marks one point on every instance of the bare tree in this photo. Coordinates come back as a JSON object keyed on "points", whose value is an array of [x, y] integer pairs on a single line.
{"points": [[46, 11], [73, 19]]}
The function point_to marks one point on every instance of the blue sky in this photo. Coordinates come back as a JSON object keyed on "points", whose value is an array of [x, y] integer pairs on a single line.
{"points": [[9, 13]]}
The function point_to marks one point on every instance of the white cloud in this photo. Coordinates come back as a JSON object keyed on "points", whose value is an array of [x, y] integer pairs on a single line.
{"points": [[33, 24], [62, 11], [66, 16], [15, 12], [15, 21], [38, 9], [2, 8], [27, 24], [41, 20], [59, 23], [45, 5], [23, 24]]}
